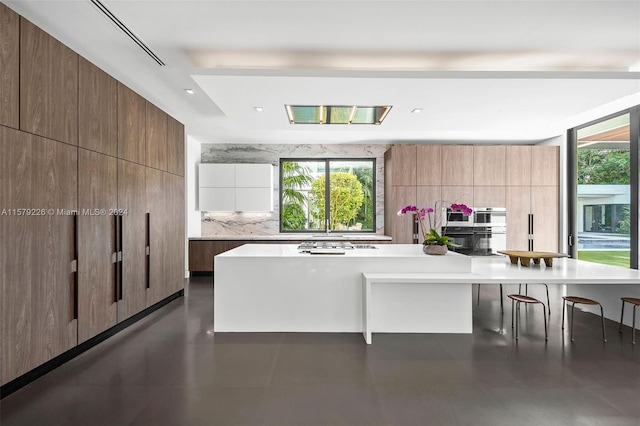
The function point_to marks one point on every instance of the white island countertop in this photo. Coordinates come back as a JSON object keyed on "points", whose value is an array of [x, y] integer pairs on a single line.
{"points": [[296, 237]]}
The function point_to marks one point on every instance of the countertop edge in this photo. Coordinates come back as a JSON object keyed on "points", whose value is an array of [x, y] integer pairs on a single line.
{"points": [[293, 237]]}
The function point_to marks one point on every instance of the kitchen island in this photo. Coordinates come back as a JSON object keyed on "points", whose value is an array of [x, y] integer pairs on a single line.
{"points": [[276, 288]]}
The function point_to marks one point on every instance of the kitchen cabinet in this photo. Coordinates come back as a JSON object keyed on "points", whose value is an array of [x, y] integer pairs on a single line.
{"points": [[97, 109], [458, 195], [131, 125], [489, 163], [489, 196], [403, 172], [236, 187], [156, 137], [175, 146], [428, 196], [36, 250], [545, 168], [175, 230], [48, 86], [429, 162], [518, 167], [132, 200], [532, 218], [97, 274], [457, 165], [401, 226], [10, 70]]}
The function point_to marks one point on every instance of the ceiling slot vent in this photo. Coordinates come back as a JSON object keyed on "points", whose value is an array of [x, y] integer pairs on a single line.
{"points": [[113, 18]]}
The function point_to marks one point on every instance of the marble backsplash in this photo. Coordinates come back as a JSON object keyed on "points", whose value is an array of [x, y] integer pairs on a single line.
{"points": [[225, 223]]}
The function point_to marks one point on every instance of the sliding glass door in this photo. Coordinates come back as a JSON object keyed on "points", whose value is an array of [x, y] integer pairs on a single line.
{"points": [[603, 179]]}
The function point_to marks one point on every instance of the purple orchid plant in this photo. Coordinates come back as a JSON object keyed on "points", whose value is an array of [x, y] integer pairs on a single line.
{"points": [[432, 237]]}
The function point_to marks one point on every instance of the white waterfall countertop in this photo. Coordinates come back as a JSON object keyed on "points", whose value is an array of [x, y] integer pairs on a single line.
{"points": [[295, 237]]}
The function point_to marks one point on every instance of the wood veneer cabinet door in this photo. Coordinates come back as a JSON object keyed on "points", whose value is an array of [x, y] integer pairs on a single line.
{"points": [[156, 137], [545, 165], [489, 163], [518, 165], [98, 109], [132, 199], [429, 161], [36, 250], [458, 195], [176, 242], [428, 196], [157, 204], [404, 165], [175, 146], [10, 69], [48, 85], [402, 226], [489, 196], [544, 206], [97, 290], [201, 256], [457, 165], [131, 125], [518, 210]]}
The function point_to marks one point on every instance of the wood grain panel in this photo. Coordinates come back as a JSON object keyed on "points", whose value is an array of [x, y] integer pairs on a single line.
{"points": [[98, 109], [429, 161], [489, 196], [97, 189], [458, 195], [404, 165], [518, 209], [10, 69], [48, 85], [489, 164], [457, 165], [545, 166], [156, 137], [175, 146], [544, 206], [402, 226], [131, 125], [36, 250], [518, 165], [132, 197], [428, 196], [157, 204], [200, 256], [176, 242]]}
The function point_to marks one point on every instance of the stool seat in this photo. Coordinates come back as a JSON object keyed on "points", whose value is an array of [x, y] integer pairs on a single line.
{"points": [[523, 298], [632, 300], [581, 300]]}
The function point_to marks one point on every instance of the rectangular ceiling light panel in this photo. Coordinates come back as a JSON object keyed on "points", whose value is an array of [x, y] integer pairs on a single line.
{"points": [[336, 114]]}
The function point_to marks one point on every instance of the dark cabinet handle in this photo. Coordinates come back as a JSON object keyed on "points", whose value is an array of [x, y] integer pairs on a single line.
{"points": [[74, 267], [148, 249], [114, 258], [120, 258]]}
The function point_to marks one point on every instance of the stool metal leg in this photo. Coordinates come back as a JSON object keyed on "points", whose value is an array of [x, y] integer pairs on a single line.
{"points": [[512, 311], [573, 308], [501, 300], [633, 326], [478, 302], [548, 303], [621, 316], [564, 306], [604, 335], [517, 318], [544, 314]]}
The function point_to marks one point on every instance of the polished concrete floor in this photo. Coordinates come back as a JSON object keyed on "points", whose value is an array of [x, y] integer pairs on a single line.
{"points": [[171, 369]]}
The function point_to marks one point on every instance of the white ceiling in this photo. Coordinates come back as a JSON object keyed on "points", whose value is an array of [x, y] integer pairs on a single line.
{"points": [[491, 71]]}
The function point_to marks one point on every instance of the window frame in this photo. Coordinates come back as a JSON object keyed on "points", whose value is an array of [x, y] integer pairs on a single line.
{"points": [[327, 161]]}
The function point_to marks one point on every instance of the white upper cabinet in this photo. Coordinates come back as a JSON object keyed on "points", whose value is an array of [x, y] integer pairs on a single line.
{"points": [[236, 187]]}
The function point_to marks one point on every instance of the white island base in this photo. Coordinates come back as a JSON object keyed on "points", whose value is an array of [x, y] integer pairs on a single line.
{"points": [[274, 288]]}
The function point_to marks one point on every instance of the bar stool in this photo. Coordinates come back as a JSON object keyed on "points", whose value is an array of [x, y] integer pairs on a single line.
{"points": [[635, 302], [526, 292], [584, 301], [520, 298], [501, 298]]}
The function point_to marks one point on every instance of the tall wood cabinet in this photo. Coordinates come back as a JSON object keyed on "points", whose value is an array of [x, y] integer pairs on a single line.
{"points": [[39, 322], [48, 86], [10, 70], [79, 199], [97, 232]]}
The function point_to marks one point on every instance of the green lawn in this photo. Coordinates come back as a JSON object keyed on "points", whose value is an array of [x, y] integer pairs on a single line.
{"points": [[608, 257]]}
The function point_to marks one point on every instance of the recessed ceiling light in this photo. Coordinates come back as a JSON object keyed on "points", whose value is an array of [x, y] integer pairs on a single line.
{"points": [[258, 109], [336, 114], [416, 110], [190, 91]]}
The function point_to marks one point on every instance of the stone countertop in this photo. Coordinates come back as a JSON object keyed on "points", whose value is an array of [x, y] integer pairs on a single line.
{"points": [[296, 237]]}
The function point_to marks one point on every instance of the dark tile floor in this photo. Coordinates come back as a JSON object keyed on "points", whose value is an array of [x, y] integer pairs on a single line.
{"points": [[170, 369]]}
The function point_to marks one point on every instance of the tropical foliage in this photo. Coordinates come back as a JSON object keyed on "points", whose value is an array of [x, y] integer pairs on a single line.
{"points": [[346, 197], [603, 166]]}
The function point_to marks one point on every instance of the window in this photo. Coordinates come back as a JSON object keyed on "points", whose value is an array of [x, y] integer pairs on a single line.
{"points": [[347, 184]]}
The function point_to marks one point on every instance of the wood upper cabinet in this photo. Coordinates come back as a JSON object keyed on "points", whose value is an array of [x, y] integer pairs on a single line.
{"points": [[156, 137], [131, 125], [457, 165], [489, 196], [518, 168], [429, 161], [175, 146], [36, 251], [403, 171], [132, 198], [428, 196], [48, 85], [458, 194], [545, 164], [98, 106], [401, 226], [489, 165], [97, 291], [10, 69]]}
